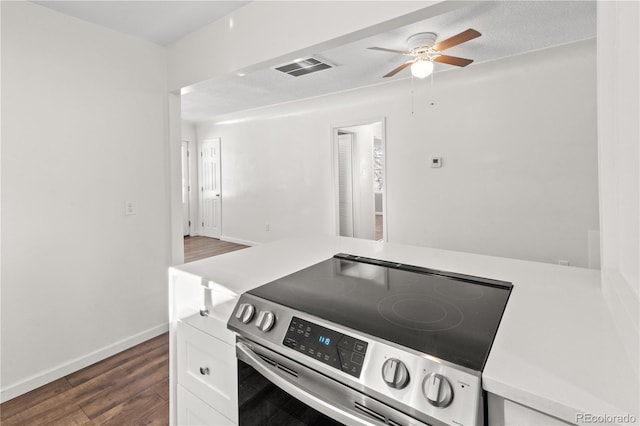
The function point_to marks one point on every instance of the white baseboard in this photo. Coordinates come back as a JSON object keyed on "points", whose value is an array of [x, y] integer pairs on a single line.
{"points": [[239, 241], [48, 376]]}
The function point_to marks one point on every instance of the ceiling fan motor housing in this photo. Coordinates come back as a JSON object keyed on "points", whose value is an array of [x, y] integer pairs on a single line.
{"points": [[421, 42]]}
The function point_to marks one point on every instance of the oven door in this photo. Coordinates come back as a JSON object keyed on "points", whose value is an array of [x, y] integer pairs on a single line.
{"points": [[274, 390]]}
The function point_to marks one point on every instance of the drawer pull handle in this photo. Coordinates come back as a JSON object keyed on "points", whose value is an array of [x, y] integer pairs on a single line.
{"points": [[204, 312], [204, 371]]}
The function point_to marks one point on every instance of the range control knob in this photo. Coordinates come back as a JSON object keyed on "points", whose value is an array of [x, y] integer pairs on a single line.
{"points": [[395, 373], [245, 312], [265, 321], [437, 389]]}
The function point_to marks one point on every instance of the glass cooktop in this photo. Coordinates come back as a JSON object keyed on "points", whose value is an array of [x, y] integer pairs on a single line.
{"points": [[450, 316]]}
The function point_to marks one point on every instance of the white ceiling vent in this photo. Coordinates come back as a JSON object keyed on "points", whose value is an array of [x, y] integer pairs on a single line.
{"points": [[304, 66]]}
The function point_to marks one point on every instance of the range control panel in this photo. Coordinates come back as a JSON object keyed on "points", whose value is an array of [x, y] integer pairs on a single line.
{"points": [[338, 350]]}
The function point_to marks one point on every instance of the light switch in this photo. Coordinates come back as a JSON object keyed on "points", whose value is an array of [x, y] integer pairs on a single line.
{"points": [[436, 162]]}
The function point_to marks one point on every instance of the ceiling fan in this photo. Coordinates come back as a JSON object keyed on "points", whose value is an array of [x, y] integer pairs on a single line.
{"points": [[425, 51]]}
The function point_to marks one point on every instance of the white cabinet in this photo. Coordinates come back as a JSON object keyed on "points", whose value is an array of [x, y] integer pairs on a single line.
{"points": [[503, 412], [207, 368], [193, 411], [203, 367]]}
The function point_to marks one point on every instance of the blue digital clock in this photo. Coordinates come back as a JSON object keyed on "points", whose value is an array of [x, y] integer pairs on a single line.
{"points": [[324, 340]]}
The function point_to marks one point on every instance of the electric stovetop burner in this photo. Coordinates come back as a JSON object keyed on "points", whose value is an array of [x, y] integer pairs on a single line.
{"points": [[450, 316]]}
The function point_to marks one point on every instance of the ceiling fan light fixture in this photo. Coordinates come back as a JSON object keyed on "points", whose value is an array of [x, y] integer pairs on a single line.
{"points": [[426, 51], [422, 68]]}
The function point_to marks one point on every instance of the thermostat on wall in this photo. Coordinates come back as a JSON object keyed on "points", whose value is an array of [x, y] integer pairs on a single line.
{"points": [[436, 161]]}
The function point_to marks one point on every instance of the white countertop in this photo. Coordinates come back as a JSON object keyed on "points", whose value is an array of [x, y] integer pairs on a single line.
{"points": [[556, 350]]}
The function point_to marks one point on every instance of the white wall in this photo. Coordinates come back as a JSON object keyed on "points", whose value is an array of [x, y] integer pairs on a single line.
{"points": [[619, 164], [518, 138], [84, 113], [285, 184]]}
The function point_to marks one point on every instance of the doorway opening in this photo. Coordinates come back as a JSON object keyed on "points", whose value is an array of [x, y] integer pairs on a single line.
{"points": [[359, 176], [201, 198]]}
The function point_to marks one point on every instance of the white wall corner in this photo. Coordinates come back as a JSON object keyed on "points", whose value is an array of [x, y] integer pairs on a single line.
{"points": [[175, 178], [593, 249]]}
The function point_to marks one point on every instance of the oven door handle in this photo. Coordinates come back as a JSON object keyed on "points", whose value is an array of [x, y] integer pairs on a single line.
{"points": [[327, 399]]}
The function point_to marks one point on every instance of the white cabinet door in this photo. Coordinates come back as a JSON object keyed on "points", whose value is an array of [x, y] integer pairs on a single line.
{"points": [[192, 411], [207, 367]]}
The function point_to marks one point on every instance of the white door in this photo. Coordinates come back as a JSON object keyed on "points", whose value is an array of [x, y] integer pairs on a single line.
{"points": [[345, 184], [210, 188], [186, 222]]}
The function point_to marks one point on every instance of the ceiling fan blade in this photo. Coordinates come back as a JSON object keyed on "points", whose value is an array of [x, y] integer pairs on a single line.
{"points": [[382, 49], [453, 60], [400, 68], [457, 39]]}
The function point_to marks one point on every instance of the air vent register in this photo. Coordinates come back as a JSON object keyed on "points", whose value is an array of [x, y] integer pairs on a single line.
{"points": [[303, 66]]}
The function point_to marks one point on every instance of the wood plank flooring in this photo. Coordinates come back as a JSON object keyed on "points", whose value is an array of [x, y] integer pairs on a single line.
{"points": [[129, 388], [196, 248]]}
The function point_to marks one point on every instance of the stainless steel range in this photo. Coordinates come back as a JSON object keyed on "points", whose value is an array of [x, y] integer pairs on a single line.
{"points": [[360, 341]]}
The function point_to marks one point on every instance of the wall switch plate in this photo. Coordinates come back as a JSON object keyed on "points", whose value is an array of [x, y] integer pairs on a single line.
{"points": [[129, 208], [436, 162]]}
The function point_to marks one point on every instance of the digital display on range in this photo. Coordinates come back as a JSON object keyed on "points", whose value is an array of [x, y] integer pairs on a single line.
{"points": [[338, 350], [324, 340]]}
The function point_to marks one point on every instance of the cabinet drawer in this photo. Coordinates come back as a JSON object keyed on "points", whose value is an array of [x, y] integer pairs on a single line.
{"points": [[214, 322], [192, 411], [207, 367]]}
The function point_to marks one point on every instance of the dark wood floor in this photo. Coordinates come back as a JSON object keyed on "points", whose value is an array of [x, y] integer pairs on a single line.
{"points": [[129, 388]]}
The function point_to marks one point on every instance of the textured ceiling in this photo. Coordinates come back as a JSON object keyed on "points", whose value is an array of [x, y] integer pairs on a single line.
{"points": [[508, 28], [160, 22]]}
